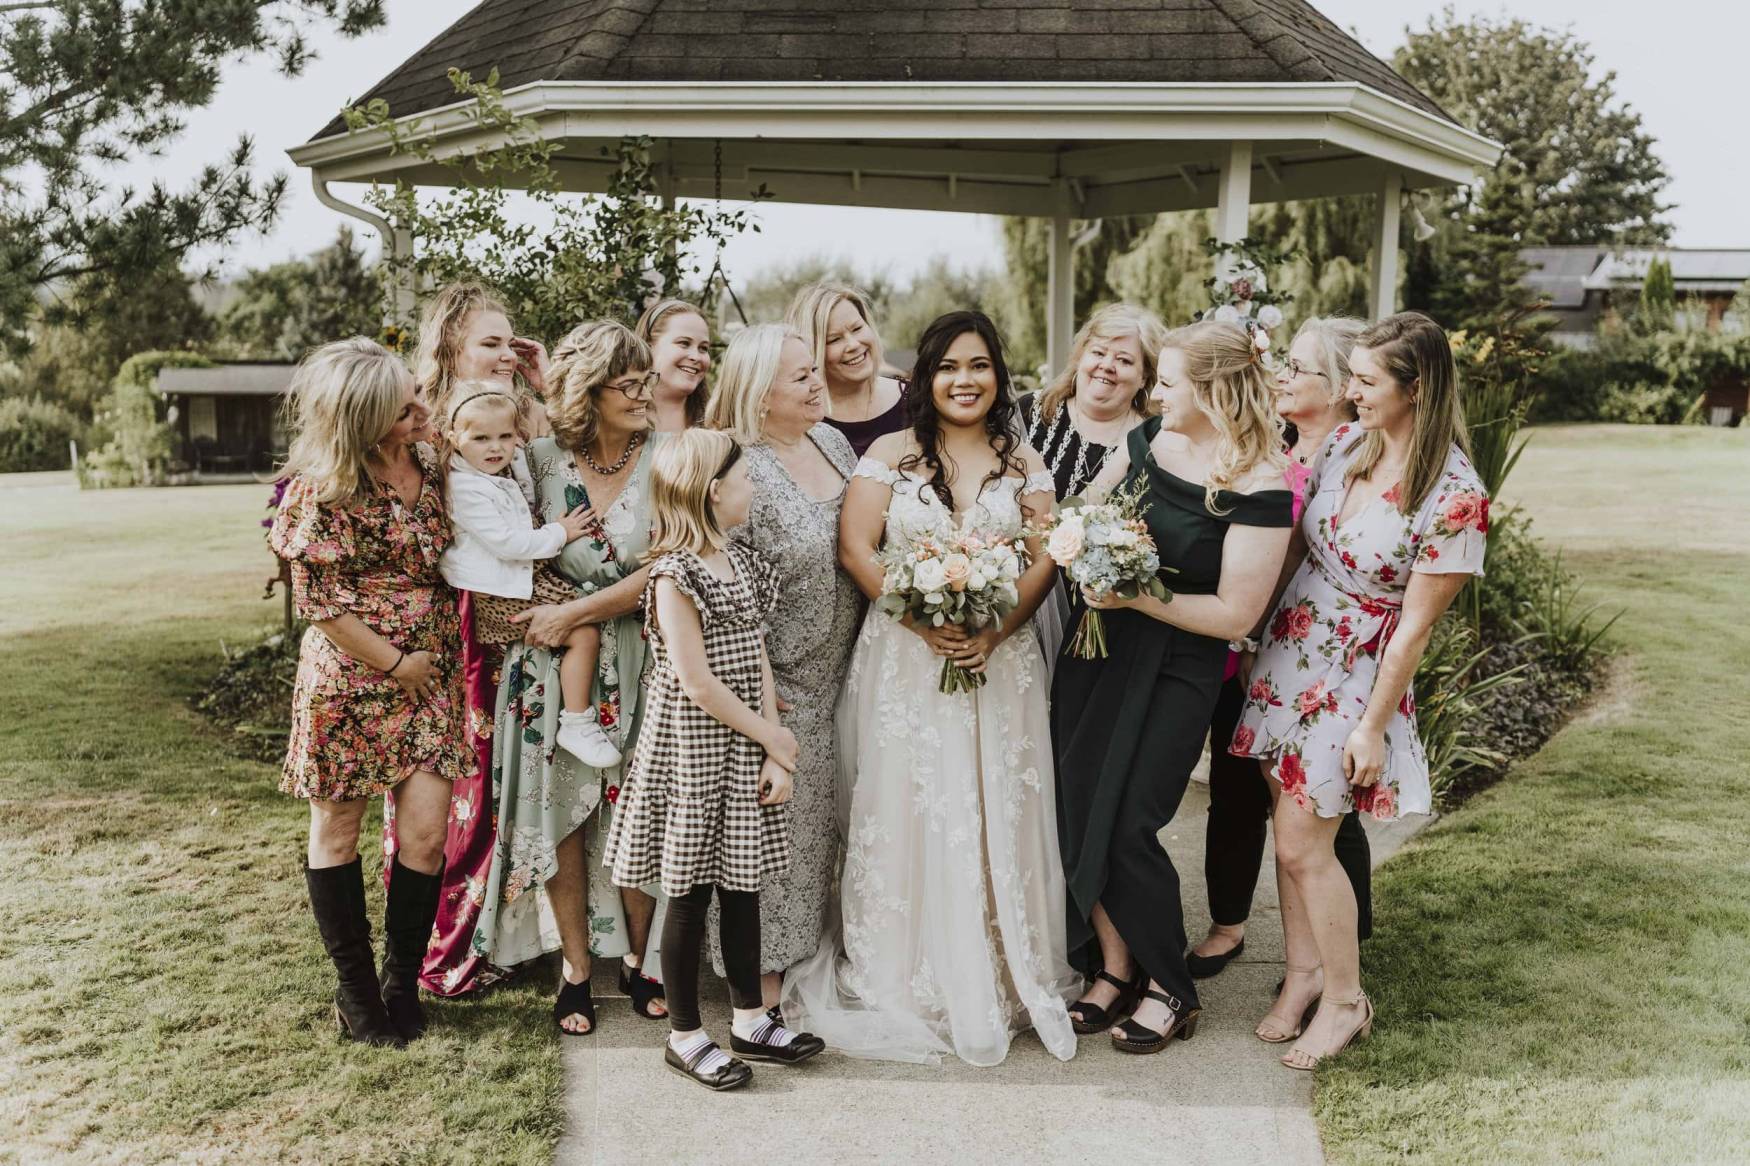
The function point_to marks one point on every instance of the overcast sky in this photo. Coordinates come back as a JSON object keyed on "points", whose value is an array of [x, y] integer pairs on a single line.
{"points": [[1683, 71]]}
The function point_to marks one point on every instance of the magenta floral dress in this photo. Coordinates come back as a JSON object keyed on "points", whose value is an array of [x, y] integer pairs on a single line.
{"points": [[355, 732], [1316, 668]]}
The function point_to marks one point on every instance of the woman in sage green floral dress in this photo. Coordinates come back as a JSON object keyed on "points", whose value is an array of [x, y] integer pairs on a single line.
{"points": [[549, 830]]}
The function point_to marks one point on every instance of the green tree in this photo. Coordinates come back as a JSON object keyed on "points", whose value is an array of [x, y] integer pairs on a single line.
{"points": [[1656, 308], [1577, 167], [283, 311], [75, 365], [587, 258], [86, 84]]}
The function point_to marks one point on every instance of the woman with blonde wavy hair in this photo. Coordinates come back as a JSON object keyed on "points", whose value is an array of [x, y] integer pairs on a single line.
{"points": [[378, 703], [466, 346], [1311, 397], [549, 829], [1081, 417], [770, 397], [1128, 728], [465, 334]]}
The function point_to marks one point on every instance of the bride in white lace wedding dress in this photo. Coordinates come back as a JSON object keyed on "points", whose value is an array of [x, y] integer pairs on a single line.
{"points": [[952, 901]]}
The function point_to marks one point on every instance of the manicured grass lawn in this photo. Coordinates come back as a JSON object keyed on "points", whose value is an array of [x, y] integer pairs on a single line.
{"points": [[164, 986], [1559, 967]]}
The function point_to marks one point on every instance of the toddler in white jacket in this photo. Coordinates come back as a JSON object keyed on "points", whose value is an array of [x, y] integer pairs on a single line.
{"points": [[496, 546]]}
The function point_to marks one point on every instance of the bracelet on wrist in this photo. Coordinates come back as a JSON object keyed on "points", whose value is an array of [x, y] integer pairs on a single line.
{"points": [[399, 656], [1243, 644]]}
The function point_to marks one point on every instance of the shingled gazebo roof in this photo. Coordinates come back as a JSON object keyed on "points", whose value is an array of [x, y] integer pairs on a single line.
{"points": [[1063, 109], [946, 41]]}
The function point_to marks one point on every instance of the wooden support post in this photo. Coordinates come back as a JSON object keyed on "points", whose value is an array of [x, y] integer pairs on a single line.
{"points": [[1383, 287]]}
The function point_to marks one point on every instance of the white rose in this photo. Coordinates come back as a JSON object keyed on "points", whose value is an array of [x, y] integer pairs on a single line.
{"points": [[1227, 314], [1270, 316], [1262, 339], [929, 575]]}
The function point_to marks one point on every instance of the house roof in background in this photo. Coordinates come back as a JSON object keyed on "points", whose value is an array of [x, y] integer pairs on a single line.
{"points": [[238, 379], [1559, 274], [937, 41], [1564, 275], [1692, 269]]}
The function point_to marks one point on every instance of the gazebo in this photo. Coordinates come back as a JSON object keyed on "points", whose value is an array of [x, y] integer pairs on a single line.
{"points": [[1061, 109]]}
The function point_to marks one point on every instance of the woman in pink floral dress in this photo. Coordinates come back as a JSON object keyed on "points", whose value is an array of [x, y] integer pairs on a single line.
{"points": [[1395, 524], [378, 702]]}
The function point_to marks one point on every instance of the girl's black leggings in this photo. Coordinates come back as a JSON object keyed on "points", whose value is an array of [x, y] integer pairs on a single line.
{"points": [[683, 933]]}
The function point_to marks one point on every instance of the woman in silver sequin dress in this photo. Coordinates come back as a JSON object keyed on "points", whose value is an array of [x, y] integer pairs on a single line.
{"points": [[771, 398]]}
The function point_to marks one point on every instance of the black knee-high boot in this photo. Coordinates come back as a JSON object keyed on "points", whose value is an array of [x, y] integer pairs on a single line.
{"points": [[337, 899], [413, 904]]}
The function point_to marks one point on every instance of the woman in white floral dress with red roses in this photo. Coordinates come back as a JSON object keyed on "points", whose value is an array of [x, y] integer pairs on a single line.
{"points": [[1395, 524]]}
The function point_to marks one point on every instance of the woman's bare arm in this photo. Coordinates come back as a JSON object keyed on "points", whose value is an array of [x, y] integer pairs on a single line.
{"points": [[1251, 558]]}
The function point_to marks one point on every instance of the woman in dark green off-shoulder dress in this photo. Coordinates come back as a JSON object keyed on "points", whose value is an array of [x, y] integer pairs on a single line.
{"points": [[1127, 729]]}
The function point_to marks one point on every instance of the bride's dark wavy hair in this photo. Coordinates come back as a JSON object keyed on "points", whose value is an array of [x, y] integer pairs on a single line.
{"points": [[926, 422]]}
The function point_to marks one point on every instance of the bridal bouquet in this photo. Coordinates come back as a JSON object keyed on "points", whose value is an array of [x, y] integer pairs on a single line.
{"points": [[956, 578], [1106, 547]]}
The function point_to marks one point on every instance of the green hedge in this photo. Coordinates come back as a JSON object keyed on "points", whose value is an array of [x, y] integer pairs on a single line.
{"points": [[34, 434], [1652, 378]]}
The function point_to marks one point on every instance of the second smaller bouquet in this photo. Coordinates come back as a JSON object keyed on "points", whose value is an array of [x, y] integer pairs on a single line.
{"points": [[961, 578], [1105, 546]]}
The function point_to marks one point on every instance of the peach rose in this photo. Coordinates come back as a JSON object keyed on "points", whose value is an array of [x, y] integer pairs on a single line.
{"points": [[956, 571], [1067, 541]]}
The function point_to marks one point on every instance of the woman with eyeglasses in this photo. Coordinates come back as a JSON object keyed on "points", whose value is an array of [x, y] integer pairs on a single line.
{"points": [[1310, 398], [550, 833]]}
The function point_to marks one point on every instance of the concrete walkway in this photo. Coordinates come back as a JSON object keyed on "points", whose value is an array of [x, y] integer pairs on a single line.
{"points": [[1219, 1098]]}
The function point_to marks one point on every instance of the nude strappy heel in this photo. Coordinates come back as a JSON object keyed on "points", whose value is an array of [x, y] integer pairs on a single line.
{"points": [[1274, 1036], [1306, 1062]]}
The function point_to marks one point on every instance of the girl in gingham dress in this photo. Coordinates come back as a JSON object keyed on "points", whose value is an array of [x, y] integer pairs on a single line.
{"points": [[702, 806]]}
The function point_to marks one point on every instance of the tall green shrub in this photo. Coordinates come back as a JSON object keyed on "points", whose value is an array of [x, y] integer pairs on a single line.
{"points": [[34, 434], [139, 453]]}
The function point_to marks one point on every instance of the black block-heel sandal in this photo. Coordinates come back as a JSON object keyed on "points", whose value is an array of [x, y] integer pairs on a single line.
{"points": [[1135, 1037], [1094, 1018], [642, 990], [574, 1000]]}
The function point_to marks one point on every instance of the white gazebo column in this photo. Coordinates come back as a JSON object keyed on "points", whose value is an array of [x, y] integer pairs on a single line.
{"points": [[404, 292], [1233, 200], [1383, 288], [1060, 294]]}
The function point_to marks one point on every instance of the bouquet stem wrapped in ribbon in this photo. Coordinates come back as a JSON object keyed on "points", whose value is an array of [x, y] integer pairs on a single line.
{"points": [[960, 577], [1105, 547]]}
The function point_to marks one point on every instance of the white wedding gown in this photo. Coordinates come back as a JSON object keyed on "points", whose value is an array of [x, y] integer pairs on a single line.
{"points": [[952, 900]]}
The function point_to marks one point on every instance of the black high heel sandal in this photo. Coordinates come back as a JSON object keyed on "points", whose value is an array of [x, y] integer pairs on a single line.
{"points": [[1135, 1037], [574, 1000], [642, 990], [1093, 1017]]}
